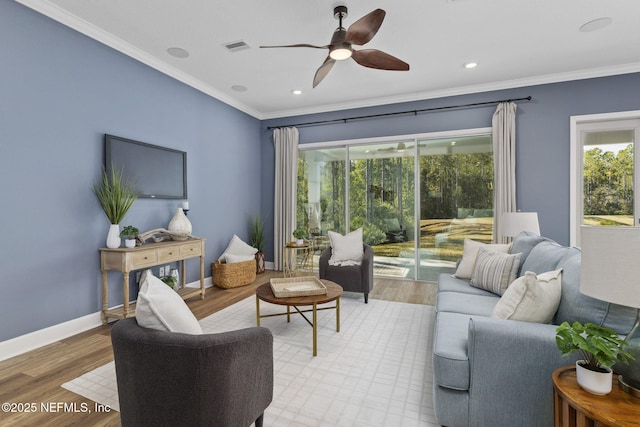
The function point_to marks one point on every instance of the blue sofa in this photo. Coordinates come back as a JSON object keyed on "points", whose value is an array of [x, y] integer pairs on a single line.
{"points": [[494, 372]]}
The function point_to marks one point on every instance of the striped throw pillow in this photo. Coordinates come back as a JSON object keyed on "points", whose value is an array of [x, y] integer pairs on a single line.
{"points": [[494, 271]]}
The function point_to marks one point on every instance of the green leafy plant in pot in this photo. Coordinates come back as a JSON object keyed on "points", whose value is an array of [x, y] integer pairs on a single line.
{"points": [[600, 349], [256, 226], [116, 195], [129, 234], [300, 234]]}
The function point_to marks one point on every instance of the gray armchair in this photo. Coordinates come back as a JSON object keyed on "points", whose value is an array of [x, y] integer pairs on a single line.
{"points": [[170, 379], [353, 278]]}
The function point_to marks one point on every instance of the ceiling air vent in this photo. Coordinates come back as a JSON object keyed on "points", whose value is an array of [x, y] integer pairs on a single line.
{"points": [[236, 46]]}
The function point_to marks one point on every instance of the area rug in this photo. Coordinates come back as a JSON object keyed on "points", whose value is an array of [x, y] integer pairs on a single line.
{"points": [[375, 372]]}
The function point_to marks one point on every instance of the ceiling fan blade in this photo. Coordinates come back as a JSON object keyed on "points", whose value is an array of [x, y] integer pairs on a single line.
{"points": [[377, 59], [299, 45], [363, 30], [323, 70]]}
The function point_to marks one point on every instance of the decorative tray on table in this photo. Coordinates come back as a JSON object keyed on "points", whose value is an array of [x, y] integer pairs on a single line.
{"points": [[297, 287]]}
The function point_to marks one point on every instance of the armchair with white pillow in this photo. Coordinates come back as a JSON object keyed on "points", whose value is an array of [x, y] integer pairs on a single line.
{"points": [[348, 262]]}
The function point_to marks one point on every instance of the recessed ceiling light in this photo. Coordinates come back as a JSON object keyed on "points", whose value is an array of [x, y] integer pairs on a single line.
{"points": [[239, 88], [595, 25], [177, 52], [470, 65], [296, 92]]}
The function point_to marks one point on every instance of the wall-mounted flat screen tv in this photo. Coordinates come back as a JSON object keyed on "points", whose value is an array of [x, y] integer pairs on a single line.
{"points": [[156, 172]]}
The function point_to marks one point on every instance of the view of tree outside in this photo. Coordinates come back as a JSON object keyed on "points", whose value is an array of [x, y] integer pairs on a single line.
{"points": [[608, 185], [455, 193]]}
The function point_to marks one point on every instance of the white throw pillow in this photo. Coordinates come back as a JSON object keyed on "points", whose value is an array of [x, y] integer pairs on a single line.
{"points": [[494, 271], [160, 307], [233, 258], [531, 298], [346, 250], [470, 253], [238, 247]]}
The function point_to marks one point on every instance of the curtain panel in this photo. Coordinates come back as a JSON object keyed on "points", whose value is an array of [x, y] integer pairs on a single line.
{"points": [[504, 164], [286, 148]]}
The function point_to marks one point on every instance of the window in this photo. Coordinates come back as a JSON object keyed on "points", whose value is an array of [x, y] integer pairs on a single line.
{"points": [[604, 171]]}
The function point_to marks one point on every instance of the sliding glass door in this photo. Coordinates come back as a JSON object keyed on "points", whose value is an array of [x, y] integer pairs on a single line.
{"points": [[416, 199], [456, 199]]}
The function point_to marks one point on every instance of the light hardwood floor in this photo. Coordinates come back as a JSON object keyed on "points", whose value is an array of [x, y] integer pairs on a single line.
{"points": [[35, 377]]}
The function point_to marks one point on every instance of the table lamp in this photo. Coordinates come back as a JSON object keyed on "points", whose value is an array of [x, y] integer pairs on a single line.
{"points": [[513, 223], [610, 271]]}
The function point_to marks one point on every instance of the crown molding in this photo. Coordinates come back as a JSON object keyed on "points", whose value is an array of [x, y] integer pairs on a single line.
{"points": [[54, 12]]}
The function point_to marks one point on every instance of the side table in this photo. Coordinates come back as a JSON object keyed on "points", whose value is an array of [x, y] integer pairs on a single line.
{"points": [[574, 407], [295, 258]]}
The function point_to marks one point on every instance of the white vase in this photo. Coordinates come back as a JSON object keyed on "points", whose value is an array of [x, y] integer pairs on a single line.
{"points": [[113, 236], [180, 226], [594, 382]]}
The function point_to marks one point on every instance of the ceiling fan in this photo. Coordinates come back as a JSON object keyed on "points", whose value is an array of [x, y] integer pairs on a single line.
{"points": [[359, 33]]}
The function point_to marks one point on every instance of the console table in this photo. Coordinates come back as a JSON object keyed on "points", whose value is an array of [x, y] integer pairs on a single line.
{"points": [[148, 255], [574, 407]]}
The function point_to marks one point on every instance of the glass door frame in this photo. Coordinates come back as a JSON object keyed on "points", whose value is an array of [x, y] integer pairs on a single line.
{"points": [[412, 138]]}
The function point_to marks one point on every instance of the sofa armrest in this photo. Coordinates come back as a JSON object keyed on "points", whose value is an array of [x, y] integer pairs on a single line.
{"points": [[511, 364]]}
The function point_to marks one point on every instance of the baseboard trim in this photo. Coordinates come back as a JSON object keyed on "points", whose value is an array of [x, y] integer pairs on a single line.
{"points": [[36, 339]]}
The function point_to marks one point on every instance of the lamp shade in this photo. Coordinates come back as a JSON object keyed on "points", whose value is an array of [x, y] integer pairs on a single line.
{"points": [[513, 223], [610, 267]]}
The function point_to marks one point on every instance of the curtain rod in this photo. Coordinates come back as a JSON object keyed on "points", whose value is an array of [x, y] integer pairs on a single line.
{"points": [[414, 112]]}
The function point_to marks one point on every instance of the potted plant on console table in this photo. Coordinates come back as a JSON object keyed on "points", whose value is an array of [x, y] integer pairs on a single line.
{"points": [[116, 195], [129, 233], [600, 348]]}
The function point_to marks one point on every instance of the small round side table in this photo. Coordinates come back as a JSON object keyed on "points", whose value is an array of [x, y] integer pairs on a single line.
{"points": [[572, 406]]}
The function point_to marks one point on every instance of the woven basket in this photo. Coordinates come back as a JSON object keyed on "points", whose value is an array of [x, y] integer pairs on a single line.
{"points": [[233, 275]]}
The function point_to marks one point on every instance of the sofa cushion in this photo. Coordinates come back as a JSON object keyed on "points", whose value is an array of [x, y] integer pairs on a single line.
{"points": [[450, 360], [577, 307], [465, 268], [454, 302], [523, 243], [547, 256], [531, 298], [494, 271], [448, 283]]}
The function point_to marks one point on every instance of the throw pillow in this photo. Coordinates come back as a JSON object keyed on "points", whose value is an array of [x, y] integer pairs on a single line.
{"points": [[494, 271], [232, 258], [238, 247], [346, 250], [531, 298], [160, 307], [470, 253]]}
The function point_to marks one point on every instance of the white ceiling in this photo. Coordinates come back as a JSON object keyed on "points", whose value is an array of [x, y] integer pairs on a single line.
{"points": [[514, 42]]}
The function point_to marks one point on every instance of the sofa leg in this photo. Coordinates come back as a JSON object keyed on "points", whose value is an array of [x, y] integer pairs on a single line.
{"points": [[260, 420], [366, 298]]}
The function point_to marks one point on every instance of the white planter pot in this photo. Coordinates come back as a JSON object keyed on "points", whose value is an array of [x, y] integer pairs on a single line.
{"points": [[594, 382], [113, 236], [130, 243], [300, 242]]}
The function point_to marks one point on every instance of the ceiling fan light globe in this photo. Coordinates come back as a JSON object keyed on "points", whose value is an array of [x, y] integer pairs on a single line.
{"points": [[340, 53]]}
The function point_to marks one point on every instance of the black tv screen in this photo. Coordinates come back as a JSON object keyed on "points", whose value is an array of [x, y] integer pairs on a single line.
{"points": [[156, 172]]}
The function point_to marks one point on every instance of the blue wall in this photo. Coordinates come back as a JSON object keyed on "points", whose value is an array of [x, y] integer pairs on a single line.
{"points": [[542, 136], [60, 92]]}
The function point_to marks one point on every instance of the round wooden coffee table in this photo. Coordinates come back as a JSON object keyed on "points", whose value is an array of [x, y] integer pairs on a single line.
{"points": [[334, 291]]}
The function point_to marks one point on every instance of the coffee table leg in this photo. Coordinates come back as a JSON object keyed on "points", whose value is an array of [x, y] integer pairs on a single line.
{"points": [[338, 315], [257, 310], [315, 329], [288, 314]]}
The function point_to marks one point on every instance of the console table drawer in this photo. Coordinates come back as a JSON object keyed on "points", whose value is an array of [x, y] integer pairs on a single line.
{"points": [[142, 259], [191, 249], [168, 254]]}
